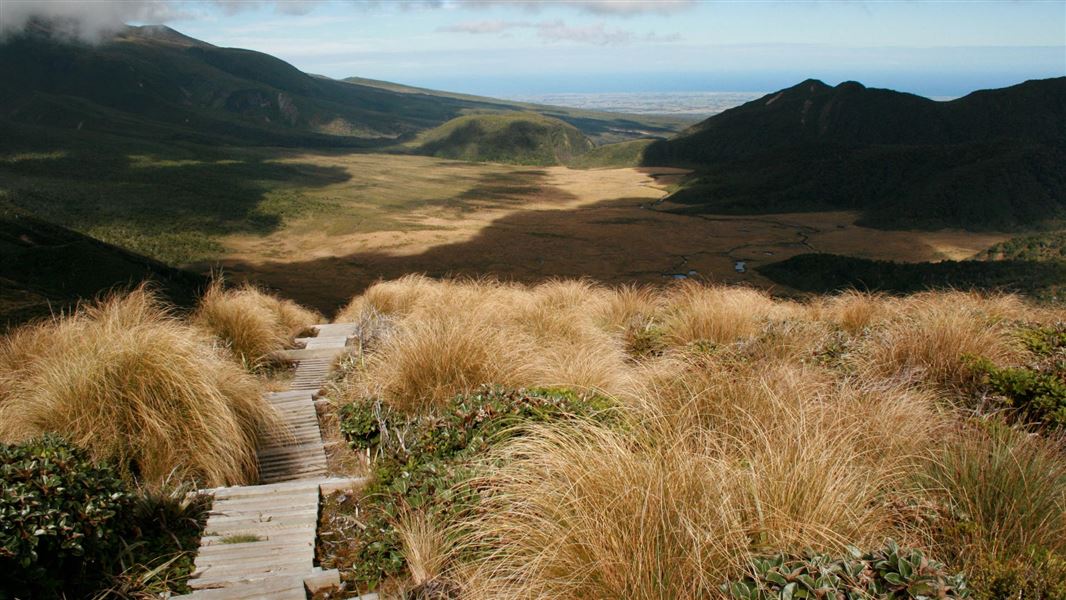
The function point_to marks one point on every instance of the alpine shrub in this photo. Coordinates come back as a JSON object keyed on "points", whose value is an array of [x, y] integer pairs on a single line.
{"points": [[889, 573], [62, 518]]}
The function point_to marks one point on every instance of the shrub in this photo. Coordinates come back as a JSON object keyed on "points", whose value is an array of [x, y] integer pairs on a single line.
{"points": [[62, 518], [887, 574], [1035, 395], [251, 323], [131, 384]]}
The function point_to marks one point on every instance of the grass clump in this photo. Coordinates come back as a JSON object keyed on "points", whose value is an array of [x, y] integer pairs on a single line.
{"points": [[420, 478], [935, 335], [718, 315], [130, 383], [251, 323], [742, 428], [717, 466], [1003, 498]]}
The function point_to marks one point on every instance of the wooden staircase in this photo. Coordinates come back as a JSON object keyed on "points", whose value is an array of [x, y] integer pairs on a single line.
{"points": [[259, 541]]}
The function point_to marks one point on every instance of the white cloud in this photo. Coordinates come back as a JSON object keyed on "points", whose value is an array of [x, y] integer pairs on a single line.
{"points": [[84, 20], [89, 20], [595, 7], [481, 27], [559, 31]]}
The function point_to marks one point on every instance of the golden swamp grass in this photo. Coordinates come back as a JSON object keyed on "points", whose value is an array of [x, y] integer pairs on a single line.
{"points": [[131, 383], [751, 426], [250, 322]]}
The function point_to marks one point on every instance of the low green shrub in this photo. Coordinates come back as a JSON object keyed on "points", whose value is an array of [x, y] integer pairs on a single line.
{"points": [[1047, 340], [426, 463], [1036, 395], [62, 518], [1040, 576], [1036, 392], [889, 573]]}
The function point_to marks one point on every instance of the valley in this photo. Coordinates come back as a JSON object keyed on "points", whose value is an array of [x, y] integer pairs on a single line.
{"points": [[389, 215]]}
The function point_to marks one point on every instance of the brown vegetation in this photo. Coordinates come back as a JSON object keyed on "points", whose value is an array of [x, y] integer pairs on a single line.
{"points": [[747, 426], [131, 383], [250, 322]]}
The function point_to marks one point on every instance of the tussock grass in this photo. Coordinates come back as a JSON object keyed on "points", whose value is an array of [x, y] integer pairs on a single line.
{"points": [[932, 337], [424, 362], [716, 468], [397, 297], [745, 426], [716, 314], [1011, 487], [251, 322], [129, 382], [426, 545], [853, 311]]}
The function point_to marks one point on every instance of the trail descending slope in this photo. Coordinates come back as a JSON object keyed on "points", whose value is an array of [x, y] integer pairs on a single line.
{"points": [[259, 541]]}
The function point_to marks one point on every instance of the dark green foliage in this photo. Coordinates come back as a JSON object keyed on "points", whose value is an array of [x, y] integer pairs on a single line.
{"points": [[516, 138], [889, 573], [1042, 246], [45, 268], [426, 463], [621, 154], [62, 518], [1036, 393], [824, 273], [990, 160], [1037, 396], [166, 535]]}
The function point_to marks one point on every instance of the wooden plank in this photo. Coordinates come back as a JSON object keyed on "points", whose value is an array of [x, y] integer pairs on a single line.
{"points": [[301, 354], [283, 511], [322, 580]]}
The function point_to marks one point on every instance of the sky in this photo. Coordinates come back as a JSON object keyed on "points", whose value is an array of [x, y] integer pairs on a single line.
{"points": [[494, 47]]}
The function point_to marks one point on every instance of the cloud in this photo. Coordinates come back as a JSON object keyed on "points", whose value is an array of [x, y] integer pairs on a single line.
{"points": [[91, 21], [482, 27], [594, 7], [558, 31], [598, 34], [83, 20]]}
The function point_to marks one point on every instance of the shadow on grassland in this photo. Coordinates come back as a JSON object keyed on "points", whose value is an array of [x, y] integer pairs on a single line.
{"points": [[169, 203]]}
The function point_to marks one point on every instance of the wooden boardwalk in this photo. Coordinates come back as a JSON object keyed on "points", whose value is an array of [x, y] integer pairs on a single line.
{"points": [[259, 541]]}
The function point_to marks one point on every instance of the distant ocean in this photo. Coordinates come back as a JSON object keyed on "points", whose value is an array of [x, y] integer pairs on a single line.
{"points": [[697, 105]]}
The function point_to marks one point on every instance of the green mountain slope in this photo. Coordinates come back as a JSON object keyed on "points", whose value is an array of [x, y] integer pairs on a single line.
{"points": [[601, 127], [990, 160], [153, 82], [45, 268], [516, 138]]}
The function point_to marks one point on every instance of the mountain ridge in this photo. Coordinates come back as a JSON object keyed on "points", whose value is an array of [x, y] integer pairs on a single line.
{"points": [[153, 81], [984, 161]]}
